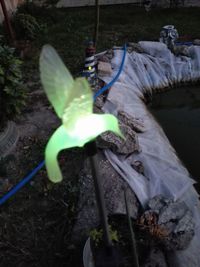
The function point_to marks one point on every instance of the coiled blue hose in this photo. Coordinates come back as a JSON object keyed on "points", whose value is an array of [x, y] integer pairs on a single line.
{"points": [[27, 178]]}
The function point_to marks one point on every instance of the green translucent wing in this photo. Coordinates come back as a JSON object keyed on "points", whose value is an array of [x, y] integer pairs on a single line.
{"points": [[81, 103], [56, 79]]}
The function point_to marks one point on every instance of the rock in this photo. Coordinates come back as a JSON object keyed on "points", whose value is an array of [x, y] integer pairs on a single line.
{"points": [[172, 211], [104, 68], [138, 166], [134, 123], [99, 102], [135, 47], [196, 42], [157, 202], [117, 144], [107, 56], [156, 258], [129, 125], [169, 222], [181, 50]]}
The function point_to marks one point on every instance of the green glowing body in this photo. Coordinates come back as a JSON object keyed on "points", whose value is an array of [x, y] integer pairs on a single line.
{"points": [[73, 103]]}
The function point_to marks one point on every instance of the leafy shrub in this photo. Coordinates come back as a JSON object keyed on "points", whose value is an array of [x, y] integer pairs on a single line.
{"points": [[40, 13], [26, 26], [12, 90], [28, 7]]}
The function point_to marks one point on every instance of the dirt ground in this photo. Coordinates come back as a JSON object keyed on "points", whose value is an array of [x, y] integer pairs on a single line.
{"points": [[35, 225]]}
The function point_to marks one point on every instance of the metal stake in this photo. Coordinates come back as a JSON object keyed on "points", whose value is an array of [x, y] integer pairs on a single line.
{"points": [[93, 156], [133, 242], [100, 199]]}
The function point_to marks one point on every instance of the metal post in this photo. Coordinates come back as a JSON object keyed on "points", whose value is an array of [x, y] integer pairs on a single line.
{"points": [[93, 156], [100, 200], [133, 242], [96, 30], [89, 68]]}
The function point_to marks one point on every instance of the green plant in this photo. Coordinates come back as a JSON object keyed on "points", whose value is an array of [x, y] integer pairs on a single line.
{"points": [[97, 235], [31, 8], [12, 90], [26, 26]]}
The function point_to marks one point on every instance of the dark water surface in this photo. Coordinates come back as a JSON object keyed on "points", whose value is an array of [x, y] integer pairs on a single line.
{"points": [[178, 112]]}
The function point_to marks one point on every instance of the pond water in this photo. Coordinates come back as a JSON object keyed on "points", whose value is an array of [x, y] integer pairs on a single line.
{"points": [[178, 112]]}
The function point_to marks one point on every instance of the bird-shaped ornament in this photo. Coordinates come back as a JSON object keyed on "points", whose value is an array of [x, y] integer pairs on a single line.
{"points": [[72, 101]]}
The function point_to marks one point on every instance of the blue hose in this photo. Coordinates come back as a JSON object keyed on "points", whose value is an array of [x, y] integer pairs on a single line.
{"points": [[26, 179], [184, 43], [107, 86]]}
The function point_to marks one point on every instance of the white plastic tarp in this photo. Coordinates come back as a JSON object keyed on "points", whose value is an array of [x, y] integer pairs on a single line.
{"points": [[163, 171]]}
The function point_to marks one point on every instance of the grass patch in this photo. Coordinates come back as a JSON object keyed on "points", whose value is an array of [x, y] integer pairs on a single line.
{"points": [[68, 29]]}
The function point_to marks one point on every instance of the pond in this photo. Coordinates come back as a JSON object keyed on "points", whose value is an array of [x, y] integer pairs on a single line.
{"points": [[178, 112]]}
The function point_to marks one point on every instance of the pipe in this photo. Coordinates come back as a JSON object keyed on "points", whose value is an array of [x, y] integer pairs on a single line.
{"points": [[24, 181], [107, 86]]}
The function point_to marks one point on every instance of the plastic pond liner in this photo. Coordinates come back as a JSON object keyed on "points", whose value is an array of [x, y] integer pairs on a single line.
{"points": [[164, 174]]}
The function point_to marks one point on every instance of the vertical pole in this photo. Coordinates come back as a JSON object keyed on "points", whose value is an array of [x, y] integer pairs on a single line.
{"points": [[92, 153], [89, 68], [133, 242], [7, 21], [100, 200], [96, 30]]}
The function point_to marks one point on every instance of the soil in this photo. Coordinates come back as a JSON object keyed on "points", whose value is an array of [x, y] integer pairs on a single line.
{"points": [[36, 223]]}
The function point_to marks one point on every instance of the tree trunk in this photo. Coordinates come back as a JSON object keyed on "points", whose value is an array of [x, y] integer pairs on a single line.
{"points": [[7, 21]]}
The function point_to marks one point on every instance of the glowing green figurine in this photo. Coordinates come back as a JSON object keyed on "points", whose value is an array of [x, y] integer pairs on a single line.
{"points": [[73, 103]]}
